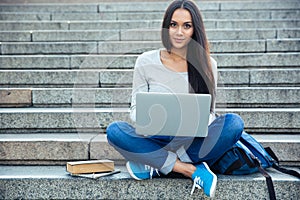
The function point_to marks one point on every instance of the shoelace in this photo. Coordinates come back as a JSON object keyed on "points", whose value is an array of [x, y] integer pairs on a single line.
{"points": [[197, 183], [147, 167]]}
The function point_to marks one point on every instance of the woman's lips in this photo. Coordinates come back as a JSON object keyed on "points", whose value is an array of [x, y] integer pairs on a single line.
{"points": [[177, 40]]}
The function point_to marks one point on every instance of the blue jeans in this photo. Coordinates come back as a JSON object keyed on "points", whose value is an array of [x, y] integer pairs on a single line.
{"points": [[161, 152]]}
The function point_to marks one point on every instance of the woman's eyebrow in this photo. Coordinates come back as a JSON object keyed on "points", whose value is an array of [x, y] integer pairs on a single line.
{"points": [[173, 21]]}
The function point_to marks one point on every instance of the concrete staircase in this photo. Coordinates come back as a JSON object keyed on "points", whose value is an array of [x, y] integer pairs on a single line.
{"points": [[66, 73]]}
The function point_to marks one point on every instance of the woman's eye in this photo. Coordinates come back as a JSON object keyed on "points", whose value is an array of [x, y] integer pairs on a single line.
{"points": [[187, 26], [173, 24]]}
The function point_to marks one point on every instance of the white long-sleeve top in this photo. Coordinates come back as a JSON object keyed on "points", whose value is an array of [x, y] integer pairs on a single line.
{"points": [[150, 75]]}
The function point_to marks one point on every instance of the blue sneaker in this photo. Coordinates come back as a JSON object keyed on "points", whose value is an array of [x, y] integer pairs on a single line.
{"points": [[141, 172], [204, 178]]}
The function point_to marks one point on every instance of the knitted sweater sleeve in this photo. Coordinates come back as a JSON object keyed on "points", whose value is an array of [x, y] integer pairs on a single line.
{"points": [[212, 116], [140, 84]]}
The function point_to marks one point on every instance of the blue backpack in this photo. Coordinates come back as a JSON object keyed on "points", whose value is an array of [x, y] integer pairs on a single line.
{"points": [[242, 158], [248, 156]]}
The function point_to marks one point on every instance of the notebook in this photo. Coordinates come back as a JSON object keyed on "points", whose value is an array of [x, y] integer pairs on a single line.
{"points": [[171, 114]]}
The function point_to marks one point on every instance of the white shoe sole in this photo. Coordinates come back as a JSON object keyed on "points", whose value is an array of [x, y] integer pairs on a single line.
{"points": [[131, 172], [214, 183]]}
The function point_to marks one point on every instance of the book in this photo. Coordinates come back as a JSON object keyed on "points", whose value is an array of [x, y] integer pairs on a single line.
{"points": [[97, 175], [90, 166]]}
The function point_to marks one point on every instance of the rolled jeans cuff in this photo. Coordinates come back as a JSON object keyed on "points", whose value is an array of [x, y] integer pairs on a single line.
{"points": [[183, 156], [169, 163]]}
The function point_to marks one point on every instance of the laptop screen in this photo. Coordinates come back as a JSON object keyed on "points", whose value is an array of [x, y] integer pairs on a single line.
{"points": [[172, 114]]}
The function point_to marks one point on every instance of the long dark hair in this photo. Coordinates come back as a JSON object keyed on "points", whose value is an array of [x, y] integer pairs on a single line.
{"points": [[200, 75]]}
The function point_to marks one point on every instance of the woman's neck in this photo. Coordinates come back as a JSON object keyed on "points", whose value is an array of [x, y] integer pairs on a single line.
{"points": [[176, 61], [178, 54]]}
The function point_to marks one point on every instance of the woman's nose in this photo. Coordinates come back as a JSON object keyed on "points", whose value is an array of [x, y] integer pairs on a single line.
{"points": [[179, 30]]}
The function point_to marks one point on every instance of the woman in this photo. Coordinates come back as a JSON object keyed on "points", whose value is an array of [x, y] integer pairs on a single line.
{"points": [[183, 66]]}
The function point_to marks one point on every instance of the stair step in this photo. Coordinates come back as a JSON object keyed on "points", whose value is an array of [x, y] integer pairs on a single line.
{"points": [[121, 97], [47, 8], [228, 46], [123, 78], [121, 15], [141, 35], [137, 24], [277, 14], [256, 59], [22, 48], [238, 60], [44, 148], [23, 16], [54, 78], [145, 6], [15, 98], [33, 25], [18, 120], [215, 34], [58, 148], [223, 46], [229, 97], [132, 24], [53, 182], [263, 5]]}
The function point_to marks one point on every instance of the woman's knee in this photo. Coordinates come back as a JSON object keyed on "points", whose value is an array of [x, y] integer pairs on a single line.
{"points": [[235, 120], [235, 123], [116, 131], [113, 131]]}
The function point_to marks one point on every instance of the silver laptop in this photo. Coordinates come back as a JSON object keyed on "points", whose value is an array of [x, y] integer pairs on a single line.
{"points": [[172, 114]]}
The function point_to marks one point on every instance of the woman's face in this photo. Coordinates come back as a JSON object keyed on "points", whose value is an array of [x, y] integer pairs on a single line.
{"points": [[181, 28]]}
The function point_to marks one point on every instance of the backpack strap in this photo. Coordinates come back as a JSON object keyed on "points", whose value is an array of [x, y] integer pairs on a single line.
{"points": [[257, 163], [286, 171], [269, 180], [279, 168]]}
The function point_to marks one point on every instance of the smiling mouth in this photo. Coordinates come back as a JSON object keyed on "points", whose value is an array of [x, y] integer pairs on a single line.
{"points": [[178, 40]]}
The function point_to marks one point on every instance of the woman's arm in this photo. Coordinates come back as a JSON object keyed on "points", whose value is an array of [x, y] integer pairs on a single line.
{"points": [[139, 84], [214, 67], [215, 74]]}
